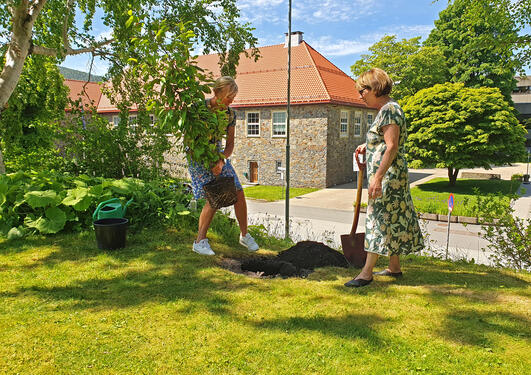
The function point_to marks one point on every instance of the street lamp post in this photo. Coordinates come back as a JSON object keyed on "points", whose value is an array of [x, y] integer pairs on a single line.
{"points": [[286, 231]]}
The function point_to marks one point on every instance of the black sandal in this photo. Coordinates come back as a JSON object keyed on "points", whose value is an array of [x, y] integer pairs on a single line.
{"points": [[356, 283]]}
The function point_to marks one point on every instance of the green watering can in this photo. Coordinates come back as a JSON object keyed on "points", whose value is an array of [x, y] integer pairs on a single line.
{"points": [[111, 209]]}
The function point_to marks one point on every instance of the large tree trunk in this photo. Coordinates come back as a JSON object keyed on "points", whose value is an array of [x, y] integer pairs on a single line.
{"points": [[452, 175], [23, 18]]}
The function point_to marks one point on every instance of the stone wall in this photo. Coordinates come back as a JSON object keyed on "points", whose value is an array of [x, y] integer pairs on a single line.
{"points": [[340, 149], [308, 136]]}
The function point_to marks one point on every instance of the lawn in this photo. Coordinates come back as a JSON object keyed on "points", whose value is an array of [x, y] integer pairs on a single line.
{"points": [[274, 193], [157, 308], [432, 196]]}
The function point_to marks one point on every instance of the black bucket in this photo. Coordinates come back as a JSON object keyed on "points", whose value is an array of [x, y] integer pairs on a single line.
{"points": [[110, 233]]}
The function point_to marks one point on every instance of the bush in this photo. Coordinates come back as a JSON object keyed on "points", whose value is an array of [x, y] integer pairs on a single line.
{"points": [[38, 202], [517, 177], [509, 237]]}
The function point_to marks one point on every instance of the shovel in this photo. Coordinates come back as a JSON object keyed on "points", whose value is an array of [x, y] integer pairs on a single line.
{"points": [[353, 244]]}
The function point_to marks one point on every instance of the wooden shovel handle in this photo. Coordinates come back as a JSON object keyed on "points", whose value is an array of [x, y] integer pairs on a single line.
{"points": [[359, 189]]}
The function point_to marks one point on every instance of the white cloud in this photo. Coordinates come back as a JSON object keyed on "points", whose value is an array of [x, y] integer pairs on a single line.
{"points": [[330, 46], [317, 11], [105, 35], [327, 46]]}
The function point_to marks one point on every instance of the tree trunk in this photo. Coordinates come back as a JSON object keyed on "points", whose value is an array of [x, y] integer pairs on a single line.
{"points": [[23, 18], [452, 175], [2, 166]]}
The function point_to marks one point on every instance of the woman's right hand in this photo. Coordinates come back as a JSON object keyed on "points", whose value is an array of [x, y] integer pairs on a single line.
{"points": [[216, 169], [361, 149]]}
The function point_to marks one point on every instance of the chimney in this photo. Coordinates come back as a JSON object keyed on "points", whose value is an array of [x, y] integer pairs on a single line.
{"points": [[296, 38]]}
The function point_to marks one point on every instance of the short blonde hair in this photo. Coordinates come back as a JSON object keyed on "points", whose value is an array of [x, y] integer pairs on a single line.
{"points": [[225, 84], [376, 80]]}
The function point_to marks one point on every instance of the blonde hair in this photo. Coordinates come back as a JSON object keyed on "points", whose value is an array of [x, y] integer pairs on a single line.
{"points": [[376, 80], [226, 85]]}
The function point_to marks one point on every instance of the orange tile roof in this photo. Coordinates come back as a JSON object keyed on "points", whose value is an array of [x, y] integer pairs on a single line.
{"points": [[89, 97], [314, 79]]}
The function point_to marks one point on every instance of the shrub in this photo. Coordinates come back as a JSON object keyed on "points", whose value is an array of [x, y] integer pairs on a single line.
{"points": [[51, 202]]}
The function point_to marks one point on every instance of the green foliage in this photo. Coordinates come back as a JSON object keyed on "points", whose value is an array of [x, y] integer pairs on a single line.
{"points": [[135, 148], [50, 203], [410, 66], [478, 40], [168, 83], [452, 126], [28, 125], [509, 237]]}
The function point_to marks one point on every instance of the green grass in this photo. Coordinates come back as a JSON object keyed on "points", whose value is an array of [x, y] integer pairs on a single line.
{"points": [[157, 308], [274, 193], [432, 196]]}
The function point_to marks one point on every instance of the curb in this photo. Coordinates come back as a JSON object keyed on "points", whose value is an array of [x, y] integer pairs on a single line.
{"points": [[444, 218]]}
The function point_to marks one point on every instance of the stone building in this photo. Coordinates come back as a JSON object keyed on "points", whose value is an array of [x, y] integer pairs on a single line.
{"points": [[328, 119]]}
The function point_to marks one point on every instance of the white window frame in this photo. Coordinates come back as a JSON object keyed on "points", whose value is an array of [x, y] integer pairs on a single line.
{"points": [[343, 126], [357, 125], [273, 135], [247, 124], [115, 121], [152, 119], [130, 119]]}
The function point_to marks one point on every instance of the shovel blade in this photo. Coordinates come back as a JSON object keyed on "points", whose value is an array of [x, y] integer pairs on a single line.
{"points": [[354, 249]]}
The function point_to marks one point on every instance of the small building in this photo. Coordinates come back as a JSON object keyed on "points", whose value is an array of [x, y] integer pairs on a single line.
{"points": [[328, 118], [521, 97]]}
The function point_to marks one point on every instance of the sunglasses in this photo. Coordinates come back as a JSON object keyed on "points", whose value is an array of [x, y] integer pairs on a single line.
{"points": [[362, 90]]}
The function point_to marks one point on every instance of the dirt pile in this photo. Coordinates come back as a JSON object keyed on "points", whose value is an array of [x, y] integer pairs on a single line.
{"points": [[299, 260]]}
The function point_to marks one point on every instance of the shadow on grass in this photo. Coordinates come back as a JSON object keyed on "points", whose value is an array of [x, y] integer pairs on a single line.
{"points": [[351, 326], [473, 327], [159, 268], [465, 186]]}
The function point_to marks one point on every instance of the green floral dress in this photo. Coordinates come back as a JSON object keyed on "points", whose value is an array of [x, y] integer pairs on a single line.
{"points": [[391, 226]]}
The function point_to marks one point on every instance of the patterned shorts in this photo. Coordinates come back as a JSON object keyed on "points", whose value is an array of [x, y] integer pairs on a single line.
{"points": [[201, 176]]}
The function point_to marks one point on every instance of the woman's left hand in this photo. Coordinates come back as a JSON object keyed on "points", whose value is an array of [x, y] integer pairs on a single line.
{"points": [[375, 188], [216, 170]]}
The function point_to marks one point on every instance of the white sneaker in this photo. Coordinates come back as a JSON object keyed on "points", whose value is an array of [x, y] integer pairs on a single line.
{"points": [[203, 247], [249, 242]]}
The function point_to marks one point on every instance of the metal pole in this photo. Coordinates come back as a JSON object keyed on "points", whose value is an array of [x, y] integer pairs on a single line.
{"points": [[287, 124], [448, 235]]}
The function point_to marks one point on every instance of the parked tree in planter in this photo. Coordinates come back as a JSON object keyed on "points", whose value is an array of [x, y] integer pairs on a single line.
{"points": [[455, 127]]}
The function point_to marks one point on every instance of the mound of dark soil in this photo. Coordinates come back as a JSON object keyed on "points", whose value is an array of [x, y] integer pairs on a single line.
{"points": [[311, 255], [269, 266]]}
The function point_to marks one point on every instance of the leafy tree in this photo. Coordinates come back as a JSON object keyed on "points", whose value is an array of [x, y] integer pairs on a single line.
{"points": [[27, 125], [49, 28], [411, 66], [478, 39], [455, 127]]}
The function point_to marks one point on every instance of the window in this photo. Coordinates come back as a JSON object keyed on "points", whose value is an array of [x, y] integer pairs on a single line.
{"points": [[343, 124], [369, 120], [278, 166], [357, 124], [152, 119], [132, 121], [116, 120], [253, 124], [279, 124]]}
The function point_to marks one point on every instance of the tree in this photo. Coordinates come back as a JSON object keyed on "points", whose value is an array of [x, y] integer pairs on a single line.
{"points": [[452, 126], [41, 27], [35, 107], [479, 40], [411, 66]]}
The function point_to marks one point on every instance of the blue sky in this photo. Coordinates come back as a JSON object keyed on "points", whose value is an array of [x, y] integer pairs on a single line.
{"points": [[341, 30]]}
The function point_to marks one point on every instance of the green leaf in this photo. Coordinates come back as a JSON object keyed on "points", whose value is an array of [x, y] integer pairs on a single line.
{"points": [[79, 198], [40, 198], [14, 233], [129, 21], [53, 222]]}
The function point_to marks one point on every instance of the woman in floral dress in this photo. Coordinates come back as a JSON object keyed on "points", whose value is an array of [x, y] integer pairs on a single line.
{"points": [[391, 225]]}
